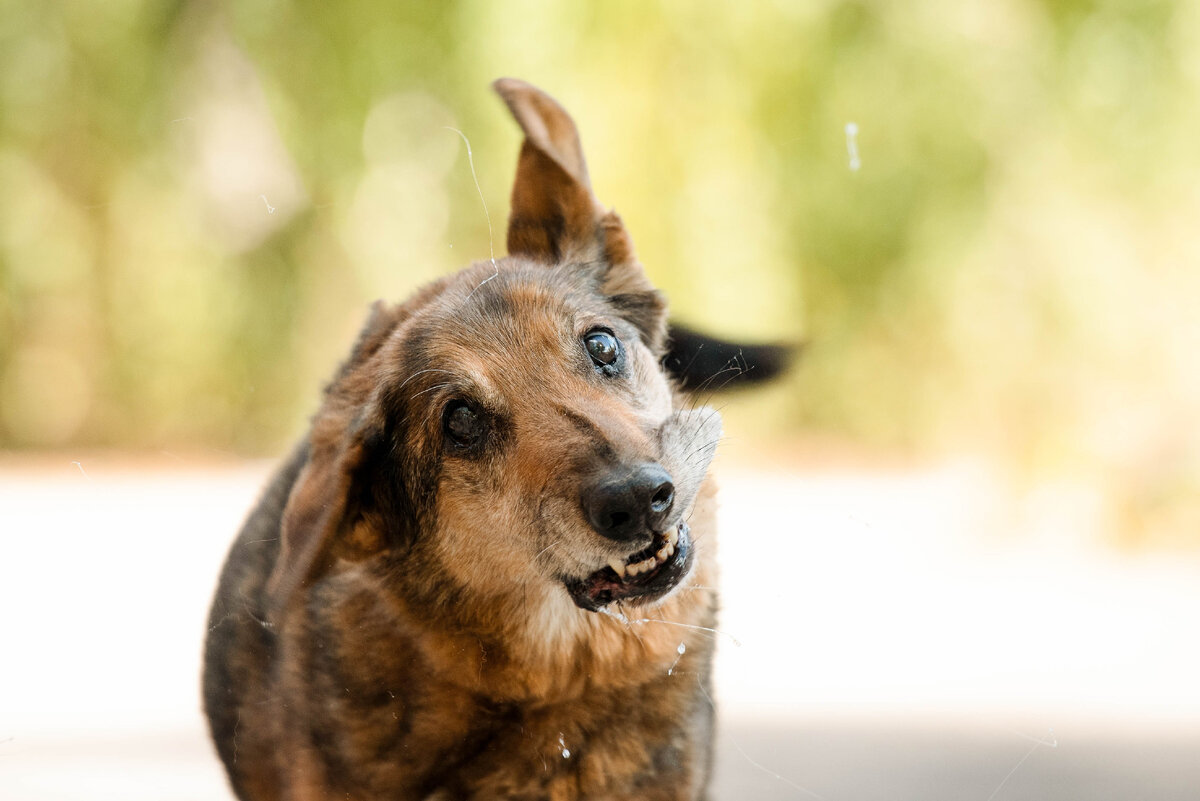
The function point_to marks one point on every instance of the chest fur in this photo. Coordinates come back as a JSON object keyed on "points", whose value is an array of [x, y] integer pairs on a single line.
{"points": [[369, 711]]}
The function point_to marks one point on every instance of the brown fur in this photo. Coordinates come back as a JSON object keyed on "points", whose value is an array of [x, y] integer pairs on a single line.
{"points": [[392, 620]]}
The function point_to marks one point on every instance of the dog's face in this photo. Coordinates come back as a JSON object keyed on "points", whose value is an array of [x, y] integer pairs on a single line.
{"points": [[560, 456], [511, 427]]}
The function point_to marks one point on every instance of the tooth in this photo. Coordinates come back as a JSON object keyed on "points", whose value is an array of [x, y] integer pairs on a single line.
{"points": [[673, 535], [634, 569], [662, 554], [618, 566]]}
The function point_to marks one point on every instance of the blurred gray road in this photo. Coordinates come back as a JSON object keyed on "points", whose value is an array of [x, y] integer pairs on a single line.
{"points": [[907, 636], [755, 762], [840, 762]]}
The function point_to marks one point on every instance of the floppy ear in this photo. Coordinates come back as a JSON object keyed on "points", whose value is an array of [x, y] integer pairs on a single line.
{"points": [[556, 218], [704, 363], [324, 500], [381, 321], [323, 505]]}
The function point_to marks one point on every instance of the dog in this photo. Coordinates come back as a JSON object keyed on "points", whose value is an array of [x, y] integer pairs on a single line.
{"points": [[488, 570]]}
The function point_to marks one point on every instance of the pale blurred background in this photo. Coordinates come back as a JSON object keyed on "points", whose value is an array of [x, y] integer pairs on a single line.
{"points": [[961, 538]]}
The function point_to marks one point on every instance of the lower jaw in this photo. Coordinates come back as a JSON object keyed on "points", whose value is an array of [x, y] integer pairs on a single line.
{"points": [[602, 588]]}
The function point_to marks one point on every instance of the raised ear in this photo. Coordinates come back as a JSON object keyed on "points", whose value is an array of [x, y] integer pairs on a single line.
{"points": [[556, 218], [548, 127], [554, 215], [322, 508]]}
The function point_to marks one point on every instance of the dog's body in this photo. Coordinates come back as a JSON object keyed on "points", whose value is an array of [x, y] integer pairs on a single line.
{"points": [[487, 572]]}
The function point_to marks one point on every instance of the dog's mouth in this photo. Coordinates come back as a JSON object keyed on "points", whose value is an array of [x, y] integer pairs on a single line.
{"points": [[643, 578]]}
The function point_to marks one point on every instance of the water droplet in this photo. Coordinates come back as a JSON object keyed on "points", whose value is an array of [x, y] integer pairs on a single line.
{"points": [[852, 146], [618, 615], [566, 752], [680, 650]]}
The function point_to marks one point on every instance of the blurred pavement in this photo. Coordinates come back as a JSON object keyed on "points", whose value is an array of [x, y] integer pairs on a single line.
{"points": [[887, 635]]}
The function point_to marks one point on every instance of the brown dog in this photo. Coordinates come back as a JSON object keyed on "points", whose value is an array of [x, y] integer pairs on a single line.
{"points": [[487, 571]]}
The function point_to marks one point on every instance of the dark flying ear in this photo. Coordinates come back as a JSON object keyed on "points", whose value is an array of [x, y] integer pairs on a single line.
{"points": [[322, 507], [555, 216], [701, 363]]}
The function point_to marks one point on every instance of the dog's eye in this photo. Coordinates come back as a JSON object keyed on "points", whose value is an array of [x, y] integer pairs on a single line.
{"points": [[464, 426], [604, 349]]}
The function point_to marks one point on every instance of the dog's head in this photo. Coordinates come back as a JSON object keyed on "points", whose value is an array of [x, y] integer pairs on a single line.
{"points": [[511, 428]]}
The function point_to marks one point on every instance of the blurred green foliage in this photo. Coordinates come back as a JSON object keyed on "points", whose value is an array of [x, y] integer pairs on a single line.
{"points": [[197, 200]]}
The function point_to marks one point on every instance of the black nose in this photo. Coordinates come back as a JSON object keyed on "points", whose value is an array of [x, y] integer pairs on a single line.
{"points": [[624, 503]]}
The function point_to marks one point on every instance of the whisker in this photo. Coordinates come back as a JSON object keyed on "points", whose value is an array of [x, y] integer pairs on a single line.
{"points": [[735, 369], [431, 389], [703, 450], [691, 361], [629, 627], [422, 372], [712, 631], [548, 547]]}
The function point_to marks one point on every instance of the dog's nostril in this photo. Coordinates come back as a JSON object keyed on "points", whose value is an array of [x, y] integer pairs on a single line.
{"points": [[629, 502], [662, 498]]}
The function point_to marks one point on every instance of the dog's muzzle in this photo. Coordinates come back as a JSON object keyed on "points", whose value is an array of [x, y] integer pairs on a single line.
{"points": [[642, 506]]}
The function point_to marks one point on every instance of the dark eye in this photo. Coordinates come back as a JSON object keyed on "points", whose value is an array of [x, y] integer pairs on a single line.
{"points": [[464, 426], [604, 349]]}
